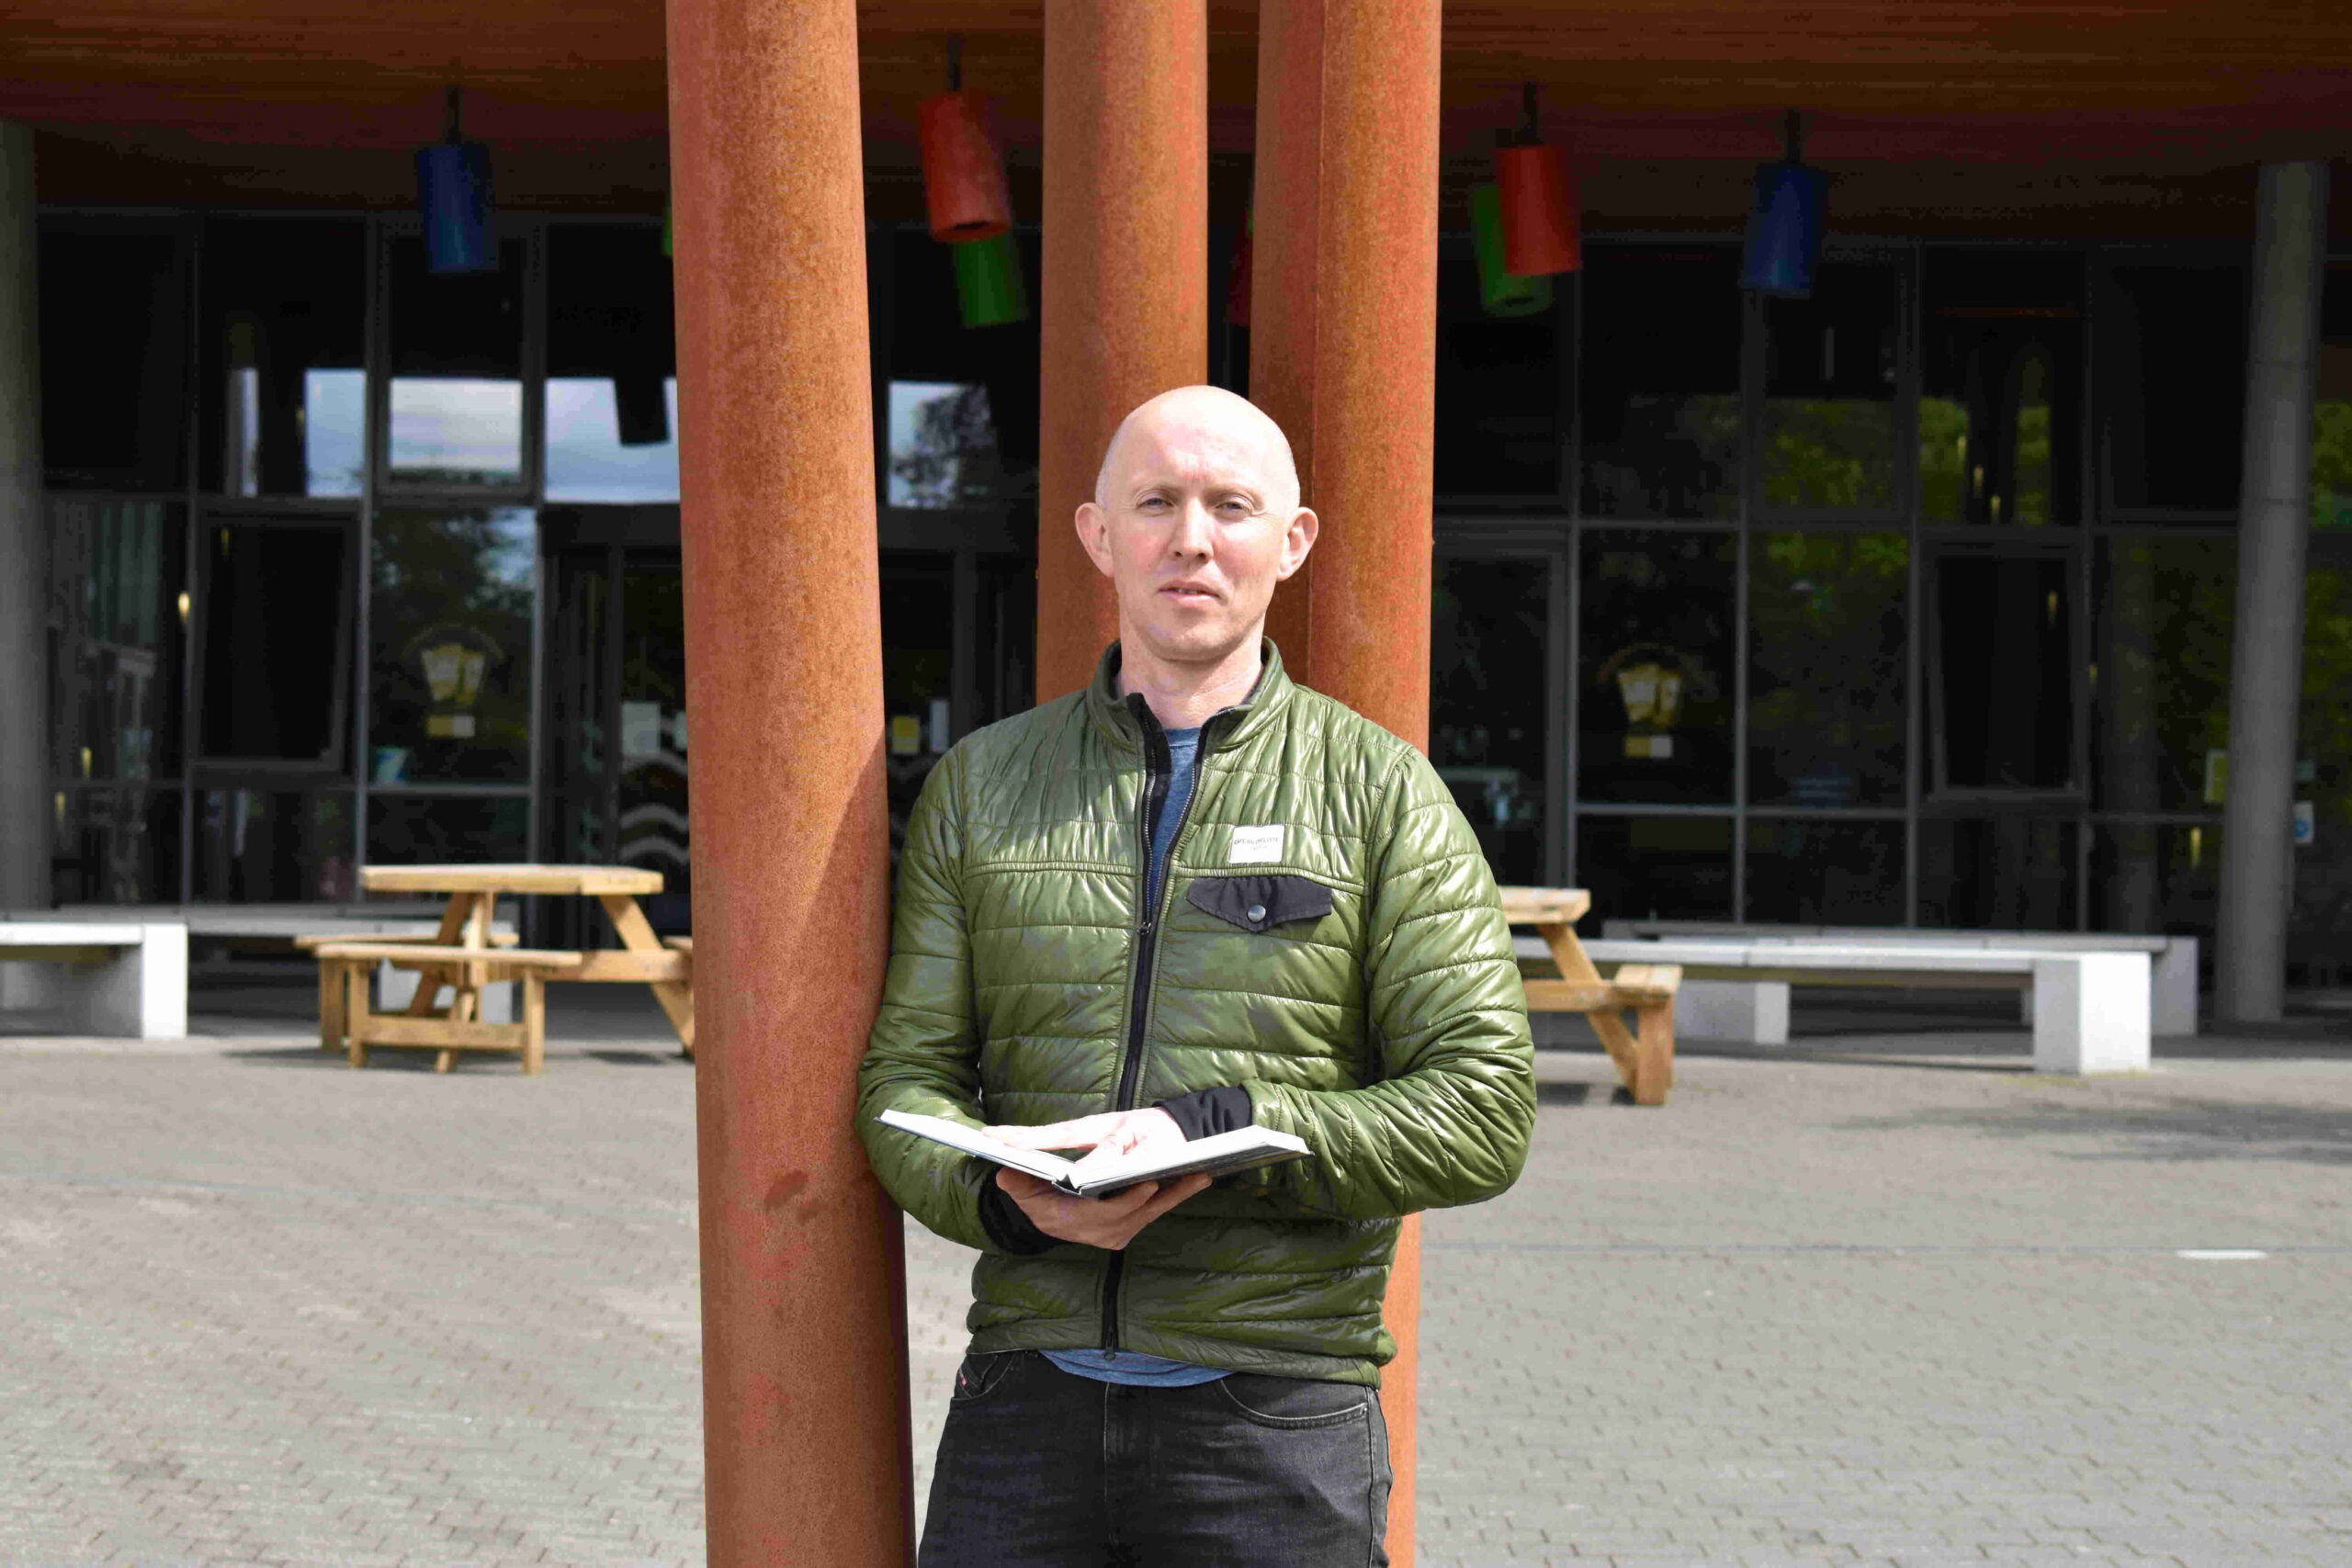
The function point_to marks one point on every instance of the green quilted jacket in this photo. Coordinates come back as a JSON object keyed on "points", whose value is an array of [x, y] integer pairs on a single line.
{"points": [[1327, 938]]}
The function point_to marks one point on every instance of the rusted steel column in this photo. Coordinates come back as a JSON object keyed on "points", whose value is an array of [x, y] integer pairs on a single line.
{"points": [[804, 1357], [1342, 353], [1125, 287]]}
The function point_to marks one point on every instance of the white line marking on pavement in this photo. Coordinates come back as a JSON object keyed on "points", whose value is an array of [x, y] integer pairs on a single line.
{"points": [[2221, 1254]]}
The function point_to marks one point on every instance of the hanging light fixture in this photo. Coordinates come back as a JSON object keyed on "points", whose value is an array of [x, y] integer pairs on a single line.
{"points": [[453, 193], [1538, 202], [1501, 291], [963, 173], [1785, 226], [989, 289]]}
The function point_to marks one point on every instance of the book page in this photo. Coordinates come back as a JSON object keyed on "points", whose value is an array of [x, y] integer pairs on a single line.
{"points": [[955, 1134], [1220, 1153]]}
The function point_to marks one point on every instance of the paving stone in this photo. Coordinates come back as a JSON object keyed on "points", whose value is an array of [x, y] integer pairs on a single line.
{"points": [[1892, 1303]]}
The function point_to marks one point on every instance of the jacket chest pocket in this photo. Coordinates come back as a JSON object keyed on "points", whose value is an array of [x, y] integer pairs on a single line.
{"points": [[1260, 903]]}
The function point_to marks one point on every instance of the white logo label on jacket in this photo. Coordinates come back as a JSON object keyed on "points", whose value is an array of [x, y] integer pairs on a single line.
{"points": [[1252, 846]]}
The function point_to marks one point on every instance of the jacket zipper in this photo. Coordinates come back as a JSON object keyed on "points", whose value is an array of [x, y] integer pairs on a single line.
{"points": [[1159, 766]]}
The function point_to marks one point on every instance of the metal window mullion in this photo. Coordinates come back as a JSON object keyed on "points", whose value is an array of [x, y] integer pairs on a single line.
{"points": [[1911, 381], [1751, 436], [376, 443]]}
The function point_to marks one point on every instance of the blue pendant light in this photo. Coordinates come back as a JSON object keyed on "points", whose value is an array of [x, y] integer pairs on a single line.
{"points": [[1785, 225], [453, 193]]}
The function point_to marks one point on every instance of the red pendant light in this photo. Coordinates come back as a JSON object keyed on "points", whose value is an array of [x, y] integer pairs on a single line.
{"points": [[963, 173], [1539, 202]]}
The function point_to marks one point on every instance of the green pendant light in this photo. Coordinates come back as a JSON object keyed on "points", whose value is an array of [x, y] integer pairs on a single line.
{"points": [[988, 285], [1503, 293]]}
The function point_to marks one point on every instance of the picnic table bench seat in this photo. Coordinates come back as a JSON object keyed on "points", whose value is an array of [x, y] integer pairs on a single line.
{"points": [[345, 966]]}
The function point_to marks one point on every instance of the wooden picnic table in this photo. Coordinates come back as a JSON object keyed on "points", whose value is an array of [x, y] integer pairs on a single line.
{"points": [[467, 927], [1644, 1053]]}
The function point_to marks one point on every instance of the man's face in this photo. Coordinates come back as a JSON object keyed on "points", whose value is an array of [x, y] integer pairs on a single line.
{"points": [[1197, 519]]}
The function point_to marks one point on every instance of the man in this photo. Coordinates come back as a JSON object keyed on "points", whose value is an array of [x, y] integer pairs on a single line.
{"points": [[1191, 898]]}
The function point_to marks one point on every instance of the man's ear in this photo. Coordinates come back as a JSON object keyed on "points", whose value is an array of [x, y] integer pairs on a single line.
{"points": [[1094, 533], [1297, 541]]}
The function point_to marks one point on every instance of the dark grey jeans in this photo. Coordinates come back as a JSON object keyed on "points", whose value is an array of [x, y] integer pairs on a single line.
{"points": [[1041, 1469]]}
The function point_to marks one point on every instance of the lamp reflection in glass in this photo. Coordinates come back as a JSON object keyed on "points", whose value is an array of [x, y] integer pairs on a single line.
{"points": [[453, 193], [1785, 225]]}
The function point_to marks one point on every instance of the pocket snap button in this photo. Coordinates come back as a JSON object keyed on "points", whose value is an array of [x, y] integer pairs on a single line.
{"points": [[1256, 911]]}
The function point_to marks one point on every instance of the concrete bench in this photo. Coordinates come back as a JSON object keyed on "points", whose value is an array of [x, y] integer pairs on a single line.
{"points": [[2172, 995], [2090, 1010], [108, 977]]}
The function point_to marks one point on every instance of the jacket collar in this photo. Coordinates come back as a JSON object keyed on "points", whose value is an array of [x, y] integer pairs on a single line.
{"points": [[1121, 719]]}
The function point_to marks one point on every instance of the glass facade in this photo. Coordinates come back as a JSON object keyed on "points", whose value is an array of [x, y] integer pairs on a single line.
{"points": [[1908, 602]]}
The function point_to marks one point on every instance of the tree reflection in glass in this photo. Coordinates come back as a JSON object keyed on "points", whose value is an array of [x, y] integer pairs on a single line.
{"points": [[943, 445], [1826, 685], [1829, 384]]}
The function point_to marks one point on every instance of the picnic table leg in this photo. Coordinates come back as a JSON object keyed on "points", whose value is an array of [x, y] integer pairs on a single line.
{"points": [[535, 1020], [355, 1011], [1615, 1038], [331, 987], [636, 935], [1653, 1054]]}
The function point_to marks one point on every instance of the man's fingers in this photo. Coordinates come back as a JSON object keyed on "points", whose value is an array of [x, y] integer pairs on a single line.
{"points": [[1175, 1192], [1083, 1133], [1019, 1183]]}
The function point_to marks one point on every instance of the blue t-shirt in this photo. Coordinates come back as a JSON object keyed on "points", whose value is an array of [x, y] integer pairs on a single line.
{"points": [[1133, 1366]]}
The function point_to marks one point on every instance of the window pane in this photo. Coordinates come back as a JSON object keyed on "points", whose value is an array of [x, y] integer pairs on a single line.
{"points": [[114, 354], [1654, 868], [117, 846], [1826, 682], [1829, 381], [2161, 697], [1489, 691], [2331, 445], [1660, 395], [2172, 351], [276, 641], [457, 354], [943, 445], [2001, 397], [255, 846], [427, 829], [1500, 424], [2157, 877], [284, 355], [1818, 872], [2002, 686], [929, 346], [654, 739], [1655, 711], [117, 570], [612, 396], [2006, 873], [918, 672], [450, 674]]}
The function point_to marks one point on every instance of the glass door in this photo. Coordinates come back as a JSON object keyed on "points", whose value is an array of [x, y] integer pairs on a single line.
{"points": [[616, 761], [1497, 629]]}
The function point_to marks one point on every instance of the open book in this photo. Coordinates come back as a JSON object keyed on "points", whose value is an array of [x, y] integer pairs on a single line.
{"points": [[1220, 1153]]}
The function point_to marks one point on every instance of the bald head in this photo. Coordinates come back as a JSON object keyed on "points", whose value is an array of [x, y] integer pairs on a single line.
{"points": [[1209, 420]]}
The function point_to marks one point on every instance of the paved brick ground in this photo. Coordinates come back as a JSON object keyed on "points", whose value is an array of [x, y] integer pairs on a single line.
{"points": [[1897, 1302]]}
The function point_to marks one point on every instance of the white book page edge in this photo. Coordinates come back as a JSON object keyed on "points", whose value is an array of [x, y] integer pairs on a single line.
{"points": [[955, 1134]]}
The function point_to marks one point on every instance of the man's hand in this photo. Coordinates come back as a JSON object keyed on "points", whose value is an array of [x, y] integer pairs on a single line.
{"points": [[1108, 1223], [1113, 1133]]}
